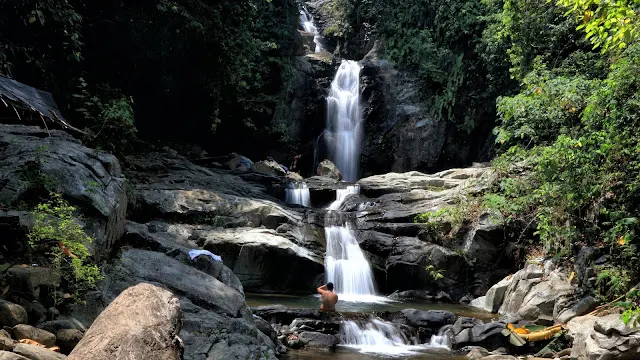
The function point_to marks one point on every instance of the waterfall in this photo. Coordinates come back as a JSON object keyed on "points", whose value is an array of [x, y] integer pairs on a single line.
{"points": [[343, 120], [376, 336], [341, 196], [442, 339], [345, 264], [306, 20], [298, 194]]}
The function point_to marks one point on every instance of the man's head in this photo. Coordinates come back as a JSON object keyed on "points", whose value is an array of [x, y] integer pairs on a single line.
{"points": [[330, 286]]}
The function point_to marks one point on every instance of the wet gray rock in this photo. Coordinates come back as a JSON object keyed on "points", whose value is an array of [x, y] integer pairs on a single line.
{"points": [[12, 314], [44, 337], [480, 334], [408, 259], [433, 319], [316, 339], [280, 314], [212, 335], [91, 179]]}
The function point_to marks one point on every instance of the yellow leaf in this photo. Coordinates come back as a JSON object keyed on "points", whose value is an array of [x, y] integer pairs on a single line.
{"points": [[32, 19], [621, 241]]}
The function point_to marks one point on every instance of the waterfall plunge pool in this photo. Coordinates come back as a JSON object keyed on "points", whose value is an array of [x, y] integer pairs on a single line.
{"points": [[313, 302]]}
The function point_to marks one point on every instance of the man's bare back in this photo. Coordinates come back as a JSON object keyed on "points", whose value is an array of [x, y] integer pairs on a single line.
{"points": [[329, 298]]}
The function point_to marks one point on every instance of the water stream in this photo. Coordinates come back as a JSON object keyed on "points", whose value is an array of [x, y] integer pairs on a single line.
{"points": [[306, 20], [344, 130], [298, 194]]}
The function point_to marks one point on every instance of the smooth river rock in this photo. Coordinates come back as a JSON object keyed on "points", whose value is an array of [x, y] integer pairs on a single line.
{"points": [[143, 322]]}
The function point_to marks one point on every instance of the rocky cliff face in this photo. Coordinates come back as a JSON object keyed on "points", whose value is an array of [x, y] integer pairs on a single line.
{"points": [[35, 160], [400, 133]]}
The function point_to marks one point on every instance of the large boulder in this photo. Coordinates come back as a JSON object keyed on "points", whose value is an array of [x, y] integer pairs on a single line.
{"points": [[143, 322], [256, 257], [328, 169], [534, 291], [217, 322], [268, 167], [495, 296], [433, 319], [605, 338], [12, 314], [30, 156], [407, 262], [44, 337]]}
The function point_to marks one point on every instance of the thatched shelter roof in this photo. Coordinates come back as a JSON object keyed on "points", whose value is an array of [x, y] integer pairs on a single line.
{"points": [[21, 97]]}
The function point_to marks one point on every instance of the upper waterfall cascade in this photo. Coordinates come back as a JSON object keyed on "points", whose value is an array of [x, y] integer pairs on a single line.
{"points": [[306, 20], [344, 128]]}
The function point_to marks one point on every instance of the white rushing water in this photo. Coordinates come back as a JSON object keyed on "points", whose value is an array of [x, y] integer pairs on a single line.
{"points": [[442, 340], [306, 20], [377, 336], [344, 130], [298, 194], [345, 264]]}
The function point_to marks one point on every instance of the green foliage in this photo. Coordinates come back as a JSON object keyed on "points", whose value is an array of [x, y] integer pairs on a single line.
{"points": [[546, 107], [610, 25], [573, 178], [436, 274], [35, 26], [107, 117], [55, 230]]}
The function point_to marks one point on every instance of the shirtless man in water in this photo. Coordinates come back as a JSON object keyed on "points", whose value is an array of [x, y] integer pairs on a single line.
{"points": [[329, 298]]}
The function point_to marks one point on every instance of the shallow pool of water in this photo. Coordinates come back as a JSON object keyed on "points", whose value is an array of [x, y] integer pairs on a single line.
{"points": [[346, 354], [313, 301]]}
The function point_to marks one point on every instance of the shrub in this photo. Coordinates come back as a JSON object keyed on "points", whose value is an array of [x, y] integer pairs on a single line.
{"points": [[57, 233]]}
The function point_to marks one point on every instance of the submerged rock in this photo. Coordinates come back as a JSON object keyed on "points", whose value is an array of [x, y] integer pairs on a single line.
{"points": [[316, 339]]}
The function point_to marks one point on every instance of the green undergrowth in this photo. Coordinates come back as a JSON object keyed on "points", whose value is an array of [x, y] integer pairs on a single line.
{"points": [[57, 234]]}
